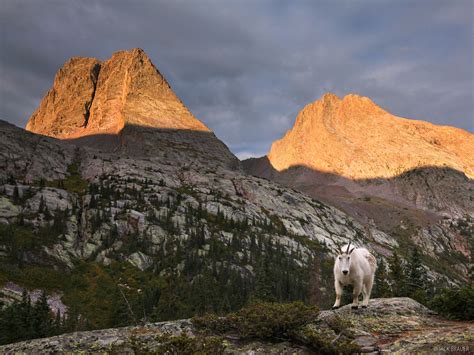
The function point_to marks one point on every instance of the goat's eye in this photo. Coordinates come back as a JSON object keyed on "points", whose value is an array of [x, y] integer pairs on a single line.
{"points": [[340, 258], [348, 258]]}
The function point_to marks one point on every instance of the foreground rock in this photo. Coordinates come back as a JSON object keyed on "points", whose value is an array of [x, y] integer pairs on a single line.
{"points": [[388, 325], [404, 325]]}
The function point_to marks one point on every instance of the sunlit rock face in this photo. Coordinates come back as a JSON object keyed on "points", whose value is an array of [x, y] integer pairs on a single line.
{"points": [[92, 97], [124, 104], [354, 138]]}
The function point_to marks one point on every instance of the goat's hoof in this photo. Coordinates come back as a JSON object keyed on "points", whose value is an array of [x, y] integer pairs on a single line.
{"points": [[364, 306], [335, 307], [355, 307]]}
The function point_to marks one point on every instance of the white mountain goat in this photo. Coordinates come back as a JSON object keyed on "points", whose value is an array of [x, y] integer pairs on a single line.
{"points": [[356, 267]]}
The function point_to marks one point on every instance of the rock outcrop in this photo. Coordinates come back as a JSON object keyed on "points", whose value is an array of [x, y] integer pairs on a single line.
{"points": [[388, 325]]}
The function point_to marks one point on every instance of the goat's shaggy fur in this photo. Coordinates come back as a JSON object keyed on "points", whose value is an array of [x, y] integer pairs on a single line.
{"points": [[356, 267]]}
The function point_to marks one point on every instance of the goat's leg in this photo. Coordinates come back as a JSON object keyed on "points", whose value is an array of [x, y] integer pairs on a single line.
{"points": [[356, 293], [368, 287], [338, 287], [364, 295]]}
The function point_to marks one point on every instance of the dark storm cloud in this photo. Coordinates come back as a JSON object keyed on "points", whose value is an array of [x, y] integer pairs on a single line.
{"points": [[246, 68]]}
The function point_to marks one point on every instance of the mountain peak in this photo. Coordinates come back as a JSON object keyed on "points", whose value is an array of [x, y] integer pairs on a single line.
{"points": [[355, 138], [91, 97], [329, 97]]}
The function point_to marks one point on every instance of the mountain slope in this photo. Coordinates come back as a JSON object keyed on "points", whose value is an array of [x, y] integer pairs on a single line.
{"points": [[410, 179], [157, 221], [137, 192], [207, 233]]}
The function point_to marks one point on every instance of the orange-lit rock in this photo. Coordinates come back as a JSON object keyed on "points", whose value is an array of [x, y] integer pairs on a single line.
{"points": [[354, 138], [90, 97]]}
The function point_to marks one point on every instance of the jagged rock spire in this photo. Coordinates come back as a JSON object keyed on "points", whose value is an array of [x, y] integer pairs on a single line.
{"points": [[91, 97]]}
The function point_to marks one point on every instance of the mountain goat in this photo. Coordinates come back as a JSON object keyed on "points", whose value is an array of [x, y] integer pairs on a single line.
{"points": [[354, 266]]}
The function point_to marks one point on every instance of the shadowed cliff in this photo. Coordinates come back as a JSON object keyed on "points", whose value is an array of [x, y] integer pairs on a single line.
{"points": [[417, 197]]}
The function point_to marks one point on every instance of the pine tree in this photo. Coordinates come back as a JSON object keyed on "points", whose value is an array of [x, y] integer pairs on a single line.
{"points": [[416, 281], [24, 312], [397, 276], [47, 214], [41, 205], [41, 318], [58, 325], [16, 195], [92, 202], [59, 224], [264, 290], [381, 285], [11, 180]]}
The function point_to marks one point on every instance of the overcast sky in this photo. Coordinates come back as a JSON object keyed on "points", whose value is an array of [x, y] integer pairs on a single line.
{"points": [[245, 68]]}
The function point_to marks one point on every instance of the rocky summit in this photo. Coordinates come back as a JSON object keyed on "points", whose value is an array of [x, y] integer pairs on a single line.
{"points": [[121, 103], [356, 139], [91, 97]]}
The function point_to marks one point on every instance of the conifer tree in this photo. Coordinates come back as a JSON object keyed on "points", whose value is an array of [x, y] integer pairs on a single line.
{"points": [[416, 281], [58, 324], [263, 286], [16, 195], [397, 276], [41, 318], [381, 285], [24, 312], [41, 205]]}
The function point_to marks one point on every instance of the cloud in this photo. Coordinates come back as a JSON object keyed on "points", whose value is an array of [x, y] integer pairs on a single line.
{"points": [[246, 68]]}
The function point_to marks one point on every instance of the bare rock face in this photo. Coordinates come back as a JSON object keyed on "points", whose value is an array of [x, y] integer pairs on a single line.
{"points": [[124, 105], [91, 97], [356, 139], [64, 110]]}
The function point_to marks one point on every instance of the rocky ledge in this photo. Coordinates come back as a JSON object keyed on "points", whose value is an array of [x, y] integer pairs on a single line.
{"points": [[388, 325], [404, 325]]}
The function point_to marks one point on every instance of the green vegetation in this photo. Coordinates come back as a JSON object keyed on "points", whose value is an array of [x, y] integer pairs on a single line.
{"points": [[271, 320], [22, 320], [276, 322], [74, 183], [210, 264], [455, 303], [21, 240], [381, 285], [409, 280], [97, 296], [186, 345], [215, 274]]}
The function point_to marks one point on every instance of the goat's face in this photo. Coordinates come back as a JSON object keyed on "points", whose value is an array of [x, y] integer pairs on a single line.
{"points": [[344, 260]]}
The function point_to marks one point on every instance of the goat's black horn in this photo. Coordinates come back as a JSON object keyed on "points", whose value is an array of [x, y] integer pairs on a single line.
{"points": [[348, 246]]}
